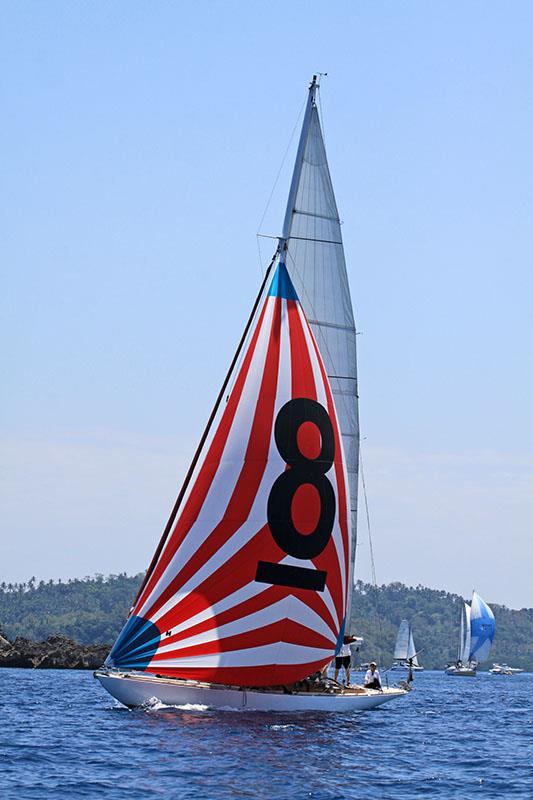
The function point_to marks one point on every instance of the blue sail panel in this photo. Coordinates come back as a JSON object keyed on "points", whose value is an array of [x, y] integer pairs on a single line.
{"points": [[482, 627], [281, 285]]}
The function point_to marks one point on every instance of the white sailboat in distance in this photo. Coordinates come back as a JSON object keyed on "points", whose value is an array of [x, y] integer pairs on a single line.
{"points": [[247, 596], [405, 654]]}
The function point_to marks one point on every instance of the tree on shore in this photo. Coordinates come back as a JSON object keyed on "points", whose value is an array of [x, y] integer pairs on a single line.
{"points": [[92, 610]]}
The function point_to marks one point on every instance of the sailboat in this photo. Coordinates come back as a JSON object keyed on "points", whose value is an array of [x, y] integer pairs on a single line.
{"points": [[477, 633], [405, 654], [248, 594]]}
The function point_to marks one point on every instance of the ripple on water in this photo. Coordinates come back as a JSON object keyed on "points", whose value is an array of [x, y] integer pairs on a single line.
{"points": [[61, 736]]}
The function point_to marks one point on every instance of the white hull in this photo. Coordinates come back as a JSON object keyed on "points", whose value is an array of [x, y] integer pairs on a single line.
{"points": [[503, 669], [402, 667], [461, 672], [136, 689]]}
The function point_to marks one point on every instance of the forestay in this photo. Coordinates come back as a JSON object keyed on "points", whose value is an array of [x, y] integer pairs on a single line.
{"points": [[315, 260], [249, 586]]}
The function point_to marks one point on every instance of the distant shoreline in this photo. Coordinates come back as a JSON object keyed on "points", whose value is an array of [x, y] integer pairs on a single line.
{"points": [[90, 613], [57, 652]]}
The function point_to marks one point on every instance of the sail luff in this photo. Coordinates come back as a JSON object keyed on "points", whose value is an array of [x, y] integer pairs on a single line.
{"points": [[316, 264]]}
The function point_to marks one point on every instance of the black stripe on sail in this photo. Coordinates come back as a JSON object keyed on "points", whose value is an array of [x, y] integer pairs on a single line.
{"points": [[286, 575]]}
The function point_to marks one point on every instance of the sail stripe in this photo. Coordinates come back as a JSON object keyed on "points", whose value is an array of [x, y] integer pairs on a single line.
{"points": [[281, 630], [303, 383], [208, 668], [246, 615], [269, 655]]}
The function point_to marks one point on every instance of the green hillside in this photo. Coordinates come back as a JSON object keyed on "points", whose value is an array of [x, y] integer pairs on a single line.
{"points": [[434, 615], [93, 610], [89, 611]]}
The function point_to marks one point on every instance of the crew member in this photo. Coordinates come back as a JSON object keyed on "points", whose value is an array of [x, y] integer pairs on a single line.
{"points": [[344, 658], [372, 679]]}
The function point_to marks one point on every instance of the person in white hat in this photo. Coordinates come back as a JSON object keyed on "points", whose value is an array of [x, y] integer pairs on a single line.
{"points": [[372, 678]]}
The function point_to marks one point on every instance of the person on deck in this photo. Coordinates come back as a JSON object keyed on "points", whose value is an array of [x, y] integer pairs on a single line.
{"points": [[344, 658], [372, 678]]}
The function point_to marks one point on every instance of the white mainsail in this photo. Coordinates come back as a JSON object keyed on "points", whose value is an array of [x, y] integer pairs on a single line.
{"points": [[402, 641], [315, 261], [464, 653], [411, 650], [404, 648]]}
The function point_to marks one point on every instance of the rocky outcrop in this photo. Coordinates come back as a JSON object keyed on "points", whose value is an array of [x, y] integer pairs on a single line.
{"points": [[57, 652]]}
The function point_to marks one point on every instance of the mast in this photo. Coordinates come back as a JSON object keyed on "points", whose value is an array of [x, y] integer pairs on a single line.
{"points": [[315, 261]]}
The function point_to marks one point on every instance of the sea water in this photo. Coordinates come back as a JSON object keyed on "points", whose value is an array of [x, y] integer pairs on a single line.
{"points": [[62, 736]]}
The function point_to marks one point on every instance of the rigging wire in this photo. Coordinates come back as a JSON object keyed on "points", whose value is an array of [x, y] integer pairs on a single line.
{"points": [[371, 548], [367, 514], [258, 234]]}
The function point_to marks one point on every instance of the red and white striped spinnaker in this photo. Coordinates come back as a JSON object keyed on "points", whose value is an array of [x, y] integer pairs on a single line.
{"points": [[250, 585]]}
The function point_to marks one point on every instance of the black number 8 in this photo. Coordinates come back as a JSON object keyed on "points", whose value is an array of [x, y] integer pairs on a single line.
{"points": [[302, 470]]}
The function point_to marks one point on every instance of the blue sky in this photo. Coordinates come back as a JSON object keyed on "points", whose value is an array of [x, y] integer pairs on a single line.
{"points": [[140, 144]]}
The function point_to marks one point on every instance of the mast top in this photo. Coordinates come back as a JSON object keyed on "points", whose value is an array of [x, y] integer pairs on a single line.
{"points": [[315, 83]]}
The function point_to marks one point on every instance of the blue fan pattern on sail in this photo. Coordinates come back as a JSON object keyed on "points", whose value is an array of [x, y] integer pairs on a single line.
{"points": [[135, 646]]}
